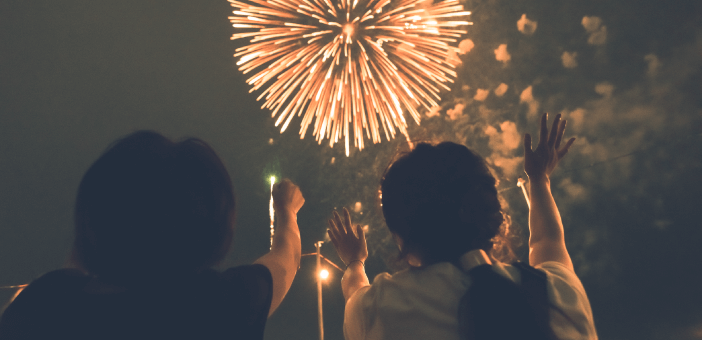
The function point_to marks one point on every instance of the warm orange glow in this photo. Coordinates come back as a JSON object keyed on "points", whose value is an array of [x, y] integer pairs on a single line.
{"points": [[271, 211], [348, 30], [324, 274], [353, 67], [16, 294]]}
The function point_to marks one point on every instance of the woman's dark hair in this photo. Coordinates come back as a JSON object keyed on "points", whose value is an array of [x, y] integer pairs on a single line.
{"points": [[149, 206], [442, 201]]}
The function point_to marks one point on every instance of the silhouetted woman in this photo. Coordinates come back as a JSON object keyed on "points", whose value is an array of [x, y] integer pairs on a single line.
{"points": [[151, 218], [442, 207]]}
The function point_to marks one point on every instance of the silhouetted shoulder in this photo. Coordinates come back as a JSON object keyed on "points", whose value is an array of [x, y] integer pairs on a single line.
{"points": [[212, 305]]}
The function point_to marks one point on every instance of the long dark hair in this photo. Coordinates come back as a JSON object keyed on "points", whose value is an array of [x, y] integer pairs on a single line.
{"points": [[149, 206]]}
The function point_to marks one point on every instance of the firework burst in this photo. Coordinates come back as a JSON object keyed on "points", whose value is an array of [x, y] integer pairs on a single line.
{"points": [[352, 66]]}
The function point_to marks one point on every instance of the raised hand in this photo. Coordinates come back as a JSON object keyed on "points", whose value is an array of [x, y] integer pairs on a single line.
{"points": [[540, 163], [546, 235], [349, 241], [284, 258], [287, 197]]}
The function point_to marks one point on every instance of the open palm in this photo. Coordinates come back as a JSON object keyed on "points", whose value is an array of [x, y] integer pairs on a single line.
{"points": [[350, 242], [540, 163]]}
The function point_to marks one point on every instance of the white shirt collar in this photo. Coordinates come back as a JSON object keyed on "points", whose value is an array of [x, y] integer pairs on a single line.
{"points": [[473, 259]]}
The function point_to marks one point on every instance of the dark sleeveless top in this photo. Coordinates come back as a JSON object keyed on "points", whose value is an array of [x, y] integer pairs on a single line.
{"points": [[233, 304]]}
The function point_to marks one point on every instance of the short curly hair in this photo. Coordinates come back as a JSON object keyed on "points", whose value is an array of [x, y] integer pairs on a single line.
{"points": [[442, 201], [150, 206]]}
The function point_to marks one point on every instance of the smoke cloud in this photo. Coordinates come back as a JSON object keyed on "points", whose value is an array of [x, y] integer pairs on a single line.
{"points": [[501, 53], [456, 112], [434, 111], [605, 89], [527, 97], [569, 59], [465, 46], [653, 64], [501, 89], [597, 32], [526, 26], [481, 95]]}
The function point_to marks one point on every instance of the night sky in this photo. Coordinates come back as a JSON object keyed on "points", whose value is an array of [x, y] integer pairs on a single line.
{"points": [[77, 74]]}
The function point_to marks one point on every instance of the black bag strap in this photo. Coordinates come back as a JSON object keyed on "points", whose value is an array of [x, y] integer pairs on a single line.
{"points": [[535, 290], [496, 308]]}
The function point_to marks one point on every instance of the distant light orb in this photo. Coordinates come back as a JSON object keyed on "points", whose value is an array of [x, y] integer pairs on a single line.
{"points": [[272, 179], [324, 274]]}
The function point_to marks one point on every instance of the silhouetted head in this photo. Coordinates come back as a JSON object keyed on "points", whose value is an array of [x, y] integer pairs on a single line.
{"points": [[441, 201], [149, 206]]}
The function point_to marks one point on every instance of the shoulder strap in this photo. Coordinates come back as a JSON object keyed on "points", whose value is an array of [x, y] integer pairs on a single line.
{"points": [[535, 292], [496, 308]]}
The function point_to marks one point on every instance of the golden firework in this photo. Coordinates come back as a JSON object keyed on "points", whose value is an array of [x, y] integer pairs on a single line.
{"points": [[352, 66]]}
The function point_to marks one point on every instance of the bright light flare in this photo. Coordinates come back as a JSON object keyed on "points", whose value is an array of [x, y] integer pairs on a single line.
{"points": [[348, 30], [324, 274], [522, 184], [353, 67], [271, 211]]}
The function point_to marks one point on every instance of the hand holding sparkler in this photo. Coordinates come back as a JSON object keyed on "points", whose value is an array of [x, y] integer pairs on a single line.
{"points": [[284, 258], [287, 197], [540, 163]]}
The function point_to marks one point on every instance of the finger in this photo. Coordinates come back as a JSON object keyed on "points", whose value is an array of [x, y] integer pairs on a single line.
{"points": [[282, 185], [347, 222], [338, 228], [340, 225], [333, 228], [527, 143], [554, 131], [565, 148], [361, 234], [543, 131], [559, 134], [333, 239]]}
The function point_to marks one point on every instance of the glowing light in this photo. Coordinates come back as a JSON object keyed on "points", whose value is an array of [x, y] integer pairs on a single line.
{"points": [[348, 30], [271, 211], [324, 274], [351, 66], [357, 207], [522, 184]]}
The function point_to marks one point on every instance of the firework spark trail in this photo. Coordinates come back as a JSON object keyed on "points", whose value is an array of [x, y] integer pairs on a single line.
{"points": [[352, 66]]}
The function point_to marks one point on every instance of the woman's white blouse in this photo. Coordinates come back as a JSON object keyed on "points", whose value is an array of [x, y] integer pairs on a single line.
{"points": [[422, 303]]}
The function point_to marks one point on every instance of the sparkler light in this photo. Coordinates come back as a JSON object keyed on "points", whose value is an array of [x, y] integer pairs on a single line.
{"points": [[271, 211], [352, 66]]}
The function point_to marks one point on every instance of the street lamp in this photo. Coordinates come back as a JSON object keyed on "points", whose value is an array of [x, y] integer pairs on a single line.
{"points": [[320, 277]]}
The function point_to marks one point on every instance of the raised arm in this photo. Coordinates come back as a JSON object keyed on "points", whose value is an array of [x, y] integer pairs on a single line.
{"points": [[350, 244], [284, 257], [546, 240]]}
